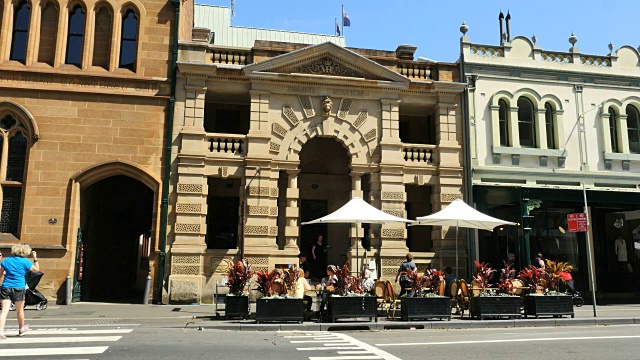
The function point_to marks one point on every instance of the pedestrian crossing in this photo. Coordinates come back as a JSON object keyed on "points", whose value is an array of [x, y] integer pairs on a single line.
{"points": [[334, 346], [60, 342]]}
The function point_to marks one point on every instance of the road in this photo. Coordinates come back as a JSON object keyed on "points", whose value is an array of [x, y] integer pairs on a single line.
{"points": [[136, 341]]}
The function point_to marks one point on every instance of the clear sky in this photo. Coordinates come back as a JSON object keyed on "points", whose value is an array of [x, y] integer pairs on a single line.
{"points": [[433, 26]]}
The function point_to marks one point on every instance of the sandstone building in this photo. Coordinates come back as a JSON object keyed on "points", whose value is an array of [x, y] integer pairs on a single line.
{"points": [[84, 93], [270, 133]]}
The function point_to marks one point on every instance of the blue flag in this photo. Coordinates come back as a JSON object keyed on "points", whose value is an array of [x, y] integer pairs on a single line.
{"points": [[345, 19]]}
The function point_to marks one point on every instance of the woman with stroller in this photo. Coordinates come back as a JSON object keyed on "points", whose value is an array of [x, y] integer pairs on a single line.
{"points": [[15, 269]]}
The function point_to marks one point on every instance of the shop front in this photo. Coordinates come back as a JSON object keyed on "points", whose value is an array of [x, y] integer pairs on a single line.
{"points": [[542, 217]]}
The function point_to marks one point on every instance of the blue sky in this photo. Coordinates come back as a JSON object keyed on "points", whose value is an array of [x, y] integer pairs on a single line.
{"points": [[433, 25]]}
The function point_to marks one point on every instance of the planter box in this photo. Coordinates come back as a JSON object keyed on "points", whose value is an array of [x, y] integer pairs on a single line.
{"points": [[236, 306], [425, 308], [352, 307], [279, 310], [556, 305], [495, 306]]}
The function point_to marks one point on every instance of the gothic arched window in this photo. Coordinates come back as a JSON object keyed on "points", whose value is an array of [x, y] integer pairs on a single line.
{"points": [[20, 35], [14, 146], [129, 41], [75, 36]]}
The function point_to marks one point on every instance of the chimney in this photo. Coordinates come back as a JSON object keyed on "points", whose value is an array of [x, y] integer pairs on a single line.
{"points": [[508, 28], [501, 18]]}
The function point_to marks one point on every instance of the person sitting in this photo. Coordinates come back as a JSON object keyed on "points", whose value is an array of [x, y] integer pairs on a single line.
{"points": [[302, 286], [305, 265], [405, 284], [539, 261], [329, 288], [448, 279]]}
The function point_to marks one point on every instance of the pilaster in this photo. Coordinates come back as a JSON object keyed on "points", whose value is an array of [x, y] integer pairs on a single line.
{"points": [[606, 133], [623, 138], [292, 210], [34, 33], [514, 135], [541, 129]]}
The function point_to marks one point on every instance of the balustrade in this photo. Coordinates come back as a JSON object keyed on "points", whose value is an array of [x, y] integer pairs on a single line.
{"points": [[418, 153], [415, 70], [231, 56], [226, 144]]}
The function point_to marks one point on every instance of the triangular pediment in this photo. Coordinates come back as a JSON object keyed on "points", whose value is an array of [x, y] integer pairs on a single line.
{"points": [[327, 59]]}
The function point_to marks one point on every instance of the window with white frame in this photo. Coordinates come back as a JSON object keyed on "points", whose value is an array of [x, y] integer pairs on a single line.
{"points": [[526, 122], [549, 125], [503, 122], [613, 130], [633, 129]]}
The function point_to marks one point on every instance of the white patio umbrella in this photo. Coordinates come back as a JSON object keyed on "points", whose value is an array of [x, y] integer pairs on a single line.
{"points": [[459, 214], [357, 211]]}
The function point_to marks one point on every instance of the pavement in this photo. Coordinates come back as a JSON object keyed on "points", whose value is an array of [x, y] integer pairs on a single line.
{"points": [[206, 317]]}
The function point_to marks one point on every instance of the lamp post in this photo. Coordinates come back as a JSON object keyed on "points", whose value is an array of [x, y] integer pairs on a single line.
{"points": [[586, 208]]}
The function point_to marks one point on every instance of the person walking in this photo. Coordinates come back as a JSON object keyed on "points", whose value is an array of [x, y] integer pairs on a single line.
{"points": [[15, 270], [405, 284]]}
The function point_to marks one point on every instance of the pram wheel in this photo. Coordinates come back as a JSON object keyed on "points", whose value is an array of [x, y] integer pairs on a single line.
{"points": [[578, 301], [41, 306]]}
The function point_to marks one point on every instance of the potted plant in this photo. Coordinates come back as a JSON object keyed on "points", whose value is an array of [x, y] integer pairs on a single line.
{"points": [[237, 302], [275, 303], [547, 300], [349, 299], [425, 304], [491, 303]]}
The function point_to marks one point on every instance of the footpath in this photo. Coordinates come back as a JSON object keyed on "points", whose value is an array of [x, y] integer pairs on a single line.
{"points": [[205, 316]]}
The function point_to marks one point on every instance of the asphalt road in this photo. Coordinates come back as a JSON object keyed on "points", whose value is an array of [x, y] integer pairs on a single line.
{"points": [[138, 341]]}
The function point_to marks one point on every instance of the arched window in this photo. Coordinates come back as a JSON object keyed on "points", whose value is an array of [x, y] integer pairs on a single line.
{"points": [[11, 183], [20, 36], [75, 37], [503, 122], [48, 33], [102, 37], [526, 123], [613, 130], [633, 128], [129, 41], [548, 121]]}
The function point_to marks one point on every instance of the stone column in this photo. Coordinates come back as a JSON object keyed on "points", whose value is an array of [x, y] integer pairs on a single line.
{"points": [[292, 211], [34, 33], [514, 135], [541, 128], [623, 137], [606, 132]]}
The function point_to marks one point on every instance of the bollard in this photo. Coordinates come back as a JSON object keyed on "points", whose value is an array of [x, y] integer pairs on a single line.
{"points": [[147, 288], [69, 287]]}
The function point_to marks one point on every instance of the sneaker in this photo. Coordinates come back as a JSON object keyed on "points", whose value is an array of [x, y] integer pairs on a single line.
{"points": [[23, 330]]}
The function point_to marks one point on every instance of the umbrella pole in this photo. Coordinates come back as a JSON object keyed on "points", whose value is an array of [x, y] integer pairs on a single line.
{"points": [[357, 252], [456, 250]]}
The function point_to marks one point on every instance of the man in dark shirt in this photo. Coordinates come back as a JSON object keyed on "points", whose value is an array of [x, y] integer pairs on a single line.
{"points": [[448, 279], [304, 265], [405, 284]]}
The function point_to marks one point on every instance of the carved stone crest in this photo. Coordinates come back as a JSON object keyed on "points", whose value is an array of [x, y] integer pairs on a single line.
{"points": [[327, 66], [327, 104]]}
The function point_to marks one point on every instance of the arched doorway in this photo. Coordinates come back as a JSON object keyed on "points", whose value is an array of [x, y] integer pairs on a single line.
{"points": [[115, 222], [325, 185]]}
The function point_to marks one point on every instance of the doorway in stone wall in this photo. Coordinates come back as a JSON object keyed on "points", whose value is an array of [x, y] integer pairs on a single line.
{"points": [[325, 185], [115, 222]]}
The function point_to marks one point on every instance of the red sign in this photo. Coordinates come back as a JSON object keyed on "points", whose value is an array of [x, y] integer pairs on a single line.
{"points": [[577, 222]]}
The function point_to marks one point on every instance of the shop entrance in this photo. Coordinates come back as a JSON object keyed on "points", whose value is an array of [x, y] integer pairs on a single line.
{"points": [[115, 223]]}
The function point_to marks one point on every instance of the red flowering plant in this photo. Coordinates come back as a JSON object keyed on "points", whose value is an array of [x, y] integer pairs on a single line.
{"points": [[417, 281], [238, 276], [347, 284], [432, 279], [290, 277], [533, 277], [265, 280], [553, 274], [507, 274], [483, 274]]}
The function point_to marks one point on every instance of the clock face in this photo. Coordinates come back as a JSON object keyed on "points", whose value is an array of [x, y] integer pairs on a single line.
{"points": [[618, 223]]}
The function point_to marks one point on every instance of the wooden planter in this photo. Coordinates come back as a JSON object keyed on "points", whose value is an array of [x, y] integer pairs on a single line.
{"points": [[352, 307], [279, 310], [495, 306], [425, 308], [555, 305], [236, 306]]}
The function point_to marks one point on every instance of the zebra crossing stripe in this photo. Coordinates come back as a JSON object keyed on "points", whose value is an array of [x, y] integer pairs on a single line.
{"points": [[58, 339], [84, 350], [78, 332]]}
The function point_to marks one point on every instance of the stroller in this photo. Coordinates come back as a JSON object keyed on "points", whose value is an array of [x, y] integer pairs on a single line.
{"points": [[31, 295]]}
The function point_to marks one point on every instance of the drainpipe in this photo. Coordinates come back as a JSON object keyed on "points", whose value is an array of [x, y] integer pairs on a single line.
{"points": [[164, 211], [467, 182]]}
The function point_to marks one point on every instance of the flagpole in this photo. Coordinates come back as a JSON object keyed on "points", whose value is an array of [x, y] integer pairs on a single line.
{"points": [[336, 28], [342, 20]]}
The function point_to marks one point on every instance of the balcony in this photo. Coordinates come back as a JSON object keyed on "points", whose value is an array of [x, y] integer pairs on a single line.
{"points": [[418, 154], [230, 146], [230, 55]]}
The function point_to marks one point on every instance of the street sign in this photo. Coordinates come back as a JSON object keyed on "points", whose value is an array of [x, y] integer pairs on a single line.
{"points": [[577, 222]]}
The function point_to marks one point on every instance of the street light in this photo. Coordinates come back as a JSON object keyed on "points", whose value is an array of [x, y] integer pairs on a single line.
{"points": [[586, 209]]}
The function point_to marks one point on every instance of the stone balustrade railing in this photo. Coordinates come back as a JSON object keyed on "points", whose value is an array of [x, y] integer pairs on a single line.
{"points": [[556, 57], [415, 70], [418, 153], [594, 60], [229, 144], [231, 56], [487, 50]]}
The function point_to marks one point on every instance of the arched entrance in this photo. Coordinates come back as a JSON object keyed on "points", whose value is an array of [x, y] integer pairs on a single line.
{"points": [[325, 185], [115, 222]]}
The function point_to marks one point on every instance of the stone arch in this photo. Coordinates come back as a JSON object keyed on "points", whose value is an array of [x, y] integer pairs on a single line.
{"points": [[529, 94], [95, 173], [8, 107], [502, 95], [615, 104], [553, 100], [631, 100], [351, 138]]}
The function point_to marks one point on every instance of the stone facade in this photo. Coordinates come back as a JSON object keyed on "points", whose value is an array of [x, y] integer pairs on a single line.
{"points": [[84, 122], [295, 102]]}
